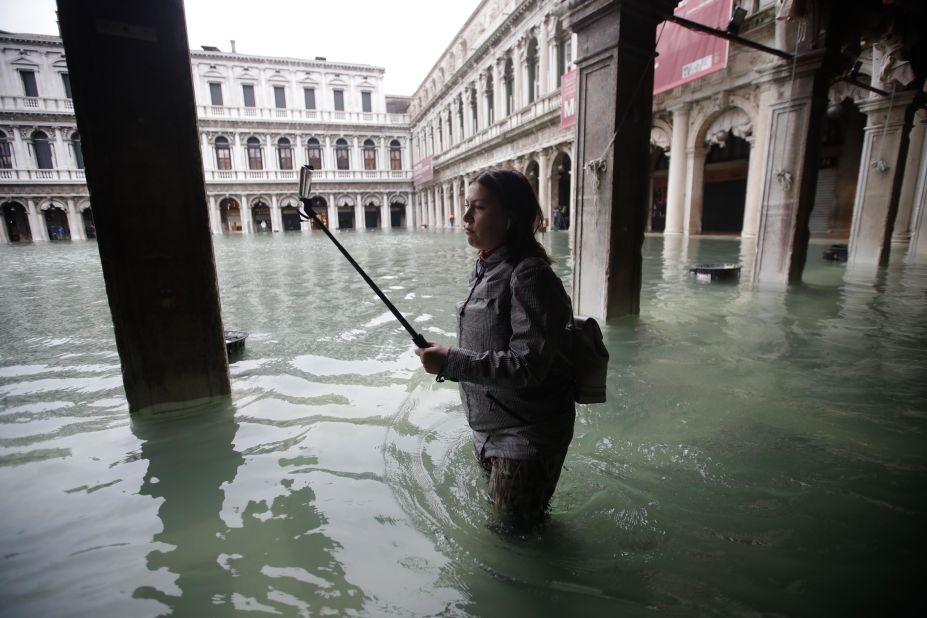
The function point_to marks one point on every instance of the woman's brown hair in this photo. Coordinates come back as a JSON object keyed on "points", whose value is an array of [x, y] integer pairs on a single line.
{"points": [[515, 195]]}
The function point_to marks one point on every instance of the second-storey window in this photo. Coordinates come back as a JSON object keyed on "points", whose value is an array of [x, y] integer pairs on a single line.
{"points": [[6, 152], [247, 95], [284, 154], [309, 96], [42, 149], [339, 100], [255, 156], [223, 154], [215, 93], [395, 155], [30, 88], [341, 154], [66, 82], [366, 102], [370, 155], [280, 97], [314, 153]]}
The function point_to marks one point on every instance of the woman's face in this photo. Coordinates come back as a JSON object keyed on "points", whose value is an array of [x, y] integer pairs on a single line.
{"points": [[485, 221]]}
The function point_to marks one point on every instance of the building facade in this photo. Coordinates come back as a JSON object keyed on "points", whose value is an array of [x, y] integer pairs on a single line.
{"points": [[259, 120]]}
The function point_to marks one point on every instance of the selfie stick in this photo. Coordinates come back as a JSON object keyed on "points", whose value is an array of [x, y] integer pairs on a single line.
{"points": [[305, 185]]}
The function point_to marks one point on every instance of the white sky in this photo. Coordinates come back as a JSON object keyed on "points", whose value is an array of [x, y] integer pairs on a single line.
{"points": [[404, 36]]}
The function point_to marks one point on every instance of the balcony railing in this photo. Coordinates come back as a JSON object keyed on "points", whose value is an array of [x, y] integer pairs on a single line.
{"points": [[309, 115], [36, 104], [21, 175], [539, 108], [318, 175]]}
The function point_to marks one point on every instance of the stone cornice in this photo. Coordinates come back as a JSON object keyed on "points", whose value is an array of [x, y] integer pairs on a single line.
{"points": [[318, 65]]}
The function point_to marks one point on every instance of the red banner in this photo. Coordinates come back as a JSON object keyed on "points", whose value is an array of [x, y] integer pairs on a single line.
{"points": [[423, 171], [684, 55], [568, 100]]}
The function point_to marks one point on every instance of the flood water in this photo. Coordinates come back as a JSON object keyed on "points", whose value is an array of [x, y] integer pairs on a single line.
{"points": [[762, 452]]}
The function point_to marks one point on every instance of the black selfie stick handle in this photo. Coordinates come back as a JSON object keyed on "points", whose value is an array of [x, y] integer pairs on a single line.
{"points": [[417, 338]]}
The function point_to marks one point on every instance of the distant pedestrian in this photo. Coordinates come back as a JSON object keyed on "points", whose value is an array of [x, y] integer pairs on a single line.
{"points": [[451, 218]]}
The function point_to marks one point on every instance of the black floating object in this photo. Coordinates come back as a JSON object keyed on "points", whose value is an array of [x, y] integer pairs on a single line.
{"points": [[235, 342], [715, 272], [836, 253]]}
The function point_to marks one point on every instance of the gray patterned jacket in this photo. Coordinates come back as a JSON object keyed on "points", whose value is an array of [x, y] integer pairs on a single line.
{"points": [[514, 376]]}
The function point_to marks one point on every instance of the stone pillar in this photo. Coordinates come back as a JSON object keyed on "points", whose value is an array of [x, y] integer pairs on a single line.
{"points": [[328, 161], [21, 158], [241, 160], [458, 213], [615, 59], [519, 68], [498, 89], [75, 222], [754, 193], [360, 211], [881, 172], [332, 214], [385, 212], [276, 219], [245, 212], [676, 179], [36, 221], [61, 160], [148, 197], [791, 159], [213, 210], [913, 169], [544, 186], [433, 200], [356, 162], [917, 250], [4, 234], [695, 188], [209, 162], [446, 204], [543, 75], [481, 102]]}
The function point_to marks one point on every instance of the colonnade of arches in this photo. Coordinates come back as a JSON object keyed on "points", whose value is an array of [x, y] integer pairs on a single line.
{"points": [[714, 184], [27, 219], [441, 204], [241, 214]]}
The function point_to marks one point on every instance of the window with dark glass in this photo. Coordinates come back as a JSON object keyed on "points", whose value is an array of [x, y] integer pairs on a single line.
{"points": [[247, 94], [78, 153], [29, 85], [215, 93], [280, 97], [223, 154], [366, 102], [490, 104], [341, 154], [284, 153], [43, 153], [533, 82], [66, 82], [339, 100], [474, 115], [255, 156], [314, 153], [309, 96], [370, 155], [509, 86], [395, 155], [6, 152]]}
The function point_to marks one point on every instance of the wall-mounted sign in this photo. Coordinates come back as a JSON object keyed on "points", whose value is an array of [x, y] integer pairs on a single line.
{"points": [[684, 55], [568, 100], [423, 171]]}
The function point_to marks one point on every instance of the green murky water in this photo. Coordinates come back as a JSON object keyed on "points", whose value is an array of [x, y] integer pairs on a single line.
{"points": [[762, 452]]}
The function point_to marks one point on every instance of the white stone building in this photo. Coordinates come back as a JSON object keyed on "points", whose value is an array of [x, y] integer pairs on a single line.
{"points": [[260, 119]]}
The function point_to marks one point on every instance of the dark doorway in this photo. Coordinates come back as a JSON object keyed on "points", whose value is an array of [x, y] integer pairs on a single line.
{"points": [[371, 217], [90, 229], [345, 217], [16, 221], [726, 166], [56, 221]]}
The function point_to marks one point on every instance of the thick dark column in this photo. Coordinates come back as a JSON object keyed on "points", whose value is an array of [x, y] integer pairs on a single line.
{"points": [[615, 57], [133, 96]]}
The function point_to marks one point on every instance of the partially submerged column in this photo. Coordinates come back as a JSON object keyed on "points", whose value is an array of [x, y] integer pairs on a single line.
{"points": [[913, 170], [676, 178], [615, 91], [881, 171], [149, 200], [695, 188]]}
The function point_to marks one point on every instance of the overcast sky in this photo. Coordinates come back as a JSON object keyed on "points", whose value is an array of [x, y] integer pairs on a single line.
{"points": [[404, 36]]}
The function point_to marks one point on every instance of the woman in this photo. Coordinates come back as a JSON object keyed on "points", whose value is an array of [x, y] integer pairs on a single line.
{"points": [[511, 362]]}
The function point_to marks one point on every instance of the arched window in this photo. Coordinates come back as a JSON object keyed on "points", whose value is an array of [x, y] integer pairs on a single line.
{"points": [[6, 152], [284, 153], [314, 153], [450, 128], [474, 115], [370, 155], [223, 154], [42, 149], [460, 114], [508, 80], [533, 64], [342, 160], [78, 153], [255, 155], [395, 155], [440, 141]]}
